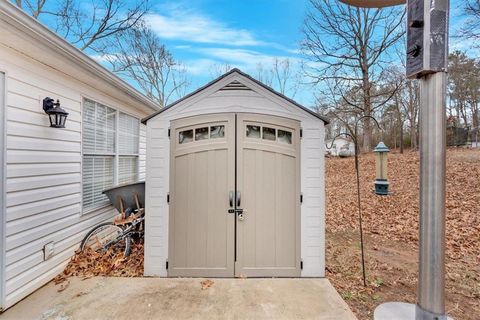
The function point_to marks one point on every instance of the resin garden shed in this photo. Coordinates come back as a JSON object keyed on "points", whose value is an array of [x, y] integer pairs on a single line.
{"points": [[235, 184]]}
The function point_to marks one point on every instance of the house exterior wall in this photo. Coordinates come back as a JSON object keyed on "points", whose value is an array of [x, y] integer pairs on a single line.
{"points": [[43, 172], [212, 101], [2, 184]]}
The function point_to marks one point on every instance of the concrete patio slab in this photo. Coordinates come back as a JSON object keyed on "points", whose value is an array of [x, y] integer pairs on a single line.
{"points": [[156, 298]]}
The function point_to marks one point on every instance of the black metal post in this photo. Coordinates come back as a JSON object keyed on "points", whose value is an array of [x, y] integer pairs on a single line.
{"points": [[357, 170]]}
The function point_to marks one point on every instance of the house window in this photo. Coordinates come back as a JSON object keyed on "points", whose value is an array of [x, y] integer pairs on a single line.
{"points": [[110, 143]]}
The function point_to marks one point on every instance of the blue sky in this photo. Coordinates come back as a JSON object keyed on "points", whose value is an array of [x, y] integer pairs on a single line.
{"points": [[205, 33]]}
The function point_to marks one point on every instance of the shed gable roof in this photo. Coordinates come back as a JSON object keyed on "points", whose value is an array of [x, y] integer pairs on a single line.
{"points": [[237, 85]]}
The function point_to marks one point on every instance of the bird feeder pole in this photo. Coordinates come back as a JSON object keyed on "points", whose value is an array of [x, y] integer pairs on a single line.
{"points": [[427, 54]]}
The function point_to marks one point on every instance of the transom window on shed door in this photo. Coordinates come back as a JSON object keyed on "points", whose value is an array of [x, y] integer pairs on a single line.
{"points": [[201, 133], [268, 133], [110, 144]]}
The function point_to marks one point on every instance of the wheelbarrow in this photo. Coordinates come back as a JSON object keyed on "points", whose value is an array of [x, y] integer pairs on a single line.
{"points": [[127, 198]]}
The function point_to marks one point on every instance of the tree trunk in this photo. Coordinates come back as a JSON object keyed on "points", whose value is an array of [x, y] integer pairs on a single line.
{"points": [[394, 136], [475, 114], [367, 134], [413, 136], [367, 107], [401, 137]]}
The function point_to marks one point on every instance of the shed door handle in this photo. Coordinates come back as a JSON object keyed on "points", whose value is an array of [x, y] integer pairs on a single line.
{"points": [[238, 199], [231, 198]]}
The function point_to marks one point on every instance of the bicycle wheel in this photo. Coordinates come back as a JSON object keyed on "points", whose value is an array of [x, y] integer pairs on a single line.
{"points": [[124, 245], [101, 237], [128, 246]]}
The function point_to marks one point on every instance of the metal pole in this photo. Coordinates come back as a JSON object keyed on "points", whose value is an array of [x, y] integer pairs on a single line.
{"points": [[357, 170], [431, 280]]}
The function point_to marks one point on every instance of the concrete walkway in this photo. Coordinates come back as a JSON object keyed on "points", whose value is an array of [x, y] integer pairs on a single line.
{"points": [[155, 298]]}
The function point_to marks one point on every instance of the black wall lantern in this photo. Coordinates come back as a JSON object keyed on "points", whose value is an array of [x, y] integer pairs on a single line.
{"points": [[56, 114]]}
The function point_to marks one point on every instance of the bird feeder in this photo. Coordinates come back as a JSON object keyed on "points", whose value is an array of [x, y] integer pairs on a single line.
{"points": [[381, 181]]}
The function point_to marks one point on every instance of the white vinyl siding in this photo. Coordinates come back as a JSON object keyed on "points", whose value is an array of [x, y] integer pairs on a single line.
{"points": [[42, 194], [2, 185], [110, 151]]}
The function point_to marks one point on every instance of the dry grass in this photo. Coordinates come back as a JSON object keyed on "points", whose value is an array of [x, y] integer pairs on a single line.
{"points": [[391, 228]]}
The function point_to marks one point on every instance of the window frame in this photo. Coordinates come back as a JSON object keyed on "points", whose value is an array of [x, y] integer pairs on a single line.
{"points": [[116, 155]]}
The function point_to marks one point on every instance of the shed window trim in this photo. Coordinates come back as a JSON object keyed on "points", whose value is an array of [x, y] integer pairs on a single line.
{"points": [[110, 154]]}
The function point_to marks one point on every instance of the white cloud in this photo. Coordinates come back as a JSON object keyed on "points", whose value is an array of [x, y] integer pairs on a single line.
{"points": [[200, 67], [102, 58], [242, 57], [180, 24], [183, 47]]}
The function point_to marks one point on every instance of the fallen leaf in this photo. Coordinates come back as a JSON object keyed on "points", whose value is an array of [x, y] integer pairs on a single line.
{"points": [[206, 284], [63, 286]]}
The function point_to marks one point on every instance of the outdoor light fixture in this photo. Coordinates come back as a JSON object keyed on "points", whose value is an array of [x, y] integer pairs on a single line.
{"points": [[381, 181], [56, 114]]}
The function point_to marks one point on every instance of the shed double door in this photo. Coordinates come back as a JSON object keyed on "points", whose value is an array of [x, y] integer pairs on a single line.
{"points": [[234, 196]]}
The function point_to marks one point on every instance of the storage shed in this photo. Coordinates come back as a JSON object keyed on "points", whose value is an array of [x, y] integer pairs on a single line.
{"points": [[235, 184], [51, 179]]}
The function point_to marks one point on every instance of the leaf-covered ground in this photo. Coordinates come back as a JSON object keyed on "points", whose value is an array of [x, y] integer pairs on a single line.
{"points": [[391, 232]]}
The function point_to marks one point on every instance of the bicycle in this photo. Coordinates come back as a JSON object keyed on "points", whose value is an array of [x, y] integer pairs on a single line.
{"points": [[112, 235]]}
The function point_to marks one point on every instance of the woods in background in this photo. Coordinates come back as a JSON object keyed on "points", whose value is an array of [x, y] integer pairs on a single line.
{"points": [[356, 60]]}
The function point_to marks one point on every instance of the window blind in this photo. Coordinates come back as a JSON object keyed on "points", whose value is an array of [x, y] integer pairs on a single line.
{"points": [[98, 128], [129, 134], [127, 169], [100, 152], [97, 176]]}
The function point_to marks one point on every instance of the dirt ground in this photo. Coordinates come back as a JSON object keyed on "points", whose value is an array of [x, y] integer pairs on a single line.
{"points": [[391, 233]]}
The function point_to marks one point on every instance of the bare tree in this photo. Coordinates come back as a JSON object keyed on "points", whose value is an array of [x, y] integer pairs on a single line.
{"points": [[464, 88], [264, 74], [409, 100], [347, 51], [219, 69], [397, 83], [141, 57], [281, 75], [34, 7], [471, 26], [87, 25]]}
